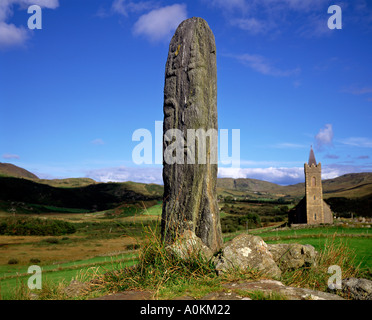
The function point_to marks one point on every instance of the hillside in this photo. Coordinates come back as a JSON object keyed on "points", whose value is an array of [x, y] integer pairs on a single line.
{"points": [[20, 185], [247, 185], [67, 183], [10, 170], [353, 185], [100, 196]]}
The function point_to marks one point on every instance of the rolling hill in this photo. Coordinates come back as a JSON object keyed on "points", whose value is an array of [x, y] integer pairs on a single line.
{"points": [[67, 183], [20, 185], [94, 197], [10, 170], [352, 185]]}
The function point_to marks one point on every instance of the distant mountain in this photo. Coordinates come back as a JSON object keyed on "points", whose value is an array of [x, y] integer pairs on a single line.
{"points": [[352, 185], [10, 170], [20, 185], [68, 183], [252, 185]]}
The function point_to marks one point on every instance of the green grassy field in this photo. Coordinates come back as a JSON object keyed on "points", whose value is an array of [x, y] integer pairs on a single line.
{"points": [[13, 277], [321, 231], [357, 239], [80, 255], [154, 210], [361, 246]]}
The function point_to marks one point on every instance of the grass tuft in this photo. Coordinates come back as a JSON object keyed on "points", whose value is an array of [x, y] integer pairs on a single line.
{"points": [[168, 276], [316, 277]]}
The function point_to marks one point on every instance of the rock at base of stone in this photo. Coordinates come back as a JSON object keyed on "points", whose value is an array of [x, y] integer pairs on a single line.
{"points": [[247, 252], [276, 287], [293, 255], [357, 289], [188, 245]]}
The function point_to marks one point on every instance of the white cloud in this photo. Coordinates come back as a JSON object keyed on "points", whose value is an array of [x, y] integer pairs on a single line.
{"points": [[159, 24], [121, 174], [154, 175], [11, 35], [324, 137], [358, 142], [263, 66], [358, 90], [230, 4], [271, 174], [314, 26], [289, 145], [97, 141], [124, 7], [255, 6], [336, 170], [253, 25], [299, 5], [273, 16], [288, 176], [10, 156], [279, 175], [331, 156]]}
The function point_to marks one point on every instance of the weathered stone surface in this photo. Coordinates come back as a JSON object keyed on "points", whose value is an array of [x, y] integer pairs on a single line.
{"points": [[189, 245], [357, 289], [190, 102], [247, 251], [237, 291], [290, 293], [128, 295], [293, 255], [224, 296]]}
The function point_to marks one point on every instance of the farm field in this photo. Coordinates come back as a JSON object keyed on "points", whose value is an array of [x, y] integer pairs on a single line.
{"points": [[108, 240], [102, 242]]}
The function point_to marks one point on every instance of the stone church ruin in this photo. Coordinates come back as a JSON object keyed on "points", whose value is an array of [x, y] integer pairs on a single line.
{"points": [[312, 209]]}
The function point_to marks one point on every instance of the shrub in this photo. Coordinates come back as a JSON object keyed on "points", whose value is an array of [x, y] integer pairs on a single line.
{"points": [[13, 261], [22, 226], [132, 246], [35, 260], [52, 240], [234, 223]]}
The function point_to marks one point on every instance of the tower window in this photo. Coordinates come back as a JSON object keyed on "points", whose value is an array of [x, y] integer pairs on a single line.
{"points": [[314, 197], [315, 216], [313, 182]]}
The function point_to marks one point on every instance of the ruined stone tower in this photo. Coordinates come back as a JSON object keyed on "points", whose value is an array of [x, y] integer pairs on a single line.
{"points": [[313, 190], [312, 209]]}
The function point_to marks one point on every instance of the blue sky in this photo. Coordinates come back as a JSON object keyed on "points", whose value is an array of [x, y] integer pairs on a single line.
{"points": [[73, 93]]}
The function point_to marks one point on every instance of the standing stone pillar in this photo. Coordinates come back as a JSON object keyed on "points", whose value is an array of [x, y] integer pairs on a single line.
{"points": [[190, 102]]}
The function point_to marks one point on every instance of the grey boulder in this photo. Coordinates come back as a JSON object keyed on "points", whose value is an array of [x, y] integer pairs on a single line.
{"points": [[247, 252], [188, 245], [357, 289], [293, 255]]}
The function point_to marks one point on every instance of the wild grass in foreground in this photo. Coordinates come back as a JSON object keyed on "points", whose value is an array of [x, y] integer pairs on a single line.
{"points": [[316, 277], [168, 277]]}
